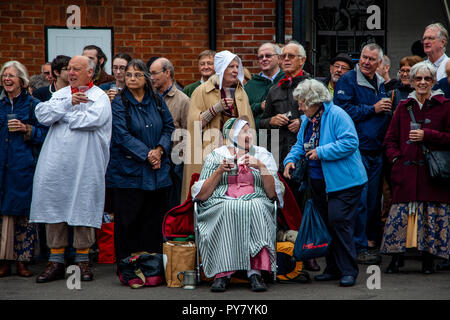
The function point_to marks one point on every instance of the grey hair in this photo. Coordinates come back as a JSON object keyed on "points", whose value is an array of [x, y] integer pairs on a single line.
{"points": [[22, 71], [91, 65], [37, 81], [301, 50], [167, 65], [386, 61], [442, 32], [311, 92], [374, 46], [275, 48], [420, 67]]}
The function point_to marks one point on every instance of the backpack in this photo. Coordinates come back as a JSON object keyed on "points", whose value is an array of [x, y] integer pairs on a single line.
{"points": [[142, 269]]}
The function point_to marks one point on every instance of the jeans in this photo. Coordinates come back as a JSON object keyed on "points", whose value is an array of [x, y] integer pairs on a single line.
{"points": [[367, 208]]}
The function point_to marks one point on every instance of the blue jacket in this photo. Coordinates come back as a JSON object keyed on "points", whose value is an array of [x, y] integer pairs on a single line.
{"points": [[444, 86], [357, 96], [338, 150], [149, 127], [17, 159]]}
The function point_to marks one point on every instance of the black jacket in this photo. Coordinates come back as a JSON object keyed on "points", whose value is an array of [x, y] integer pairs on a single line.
{"points": [[280, 100]]}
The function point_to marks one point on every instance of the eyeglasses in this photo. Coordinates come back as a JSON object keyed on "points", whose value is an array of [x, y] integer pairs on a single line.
{"points": [[290, 56], [64, 69], [267, 56], [343, 68], [8, 76], [419, 79], [137, 75], [404, 71], [154, 73], [121, 68]]}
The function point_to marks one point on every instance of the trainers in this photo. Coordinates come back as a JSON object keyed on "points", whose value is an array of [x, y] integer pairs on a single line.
{"points": [[368, 257]]}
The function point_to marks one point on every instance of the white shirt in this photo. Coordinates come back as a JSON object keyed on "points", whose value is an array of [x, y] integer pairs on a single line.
{"points": [[440, 67], [69, 183]]}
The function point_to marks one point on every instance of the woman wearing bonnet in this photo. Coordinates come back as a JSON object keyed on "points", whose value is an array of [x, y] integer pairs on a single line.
{"points": [[214, 102]]}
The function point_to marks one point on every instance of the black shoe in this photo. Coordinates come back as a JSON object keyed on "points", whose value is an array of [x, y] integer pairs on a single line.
{"points": [[444, 266], [220, 284], [395, 264], [311, 265], [326, 277], [257, 284], [427, 263], [347, 281]]}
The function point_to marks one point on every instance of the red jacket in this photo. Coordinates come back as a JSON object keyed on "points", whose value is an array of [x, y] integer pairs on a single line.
{"points": [[411, 181]]}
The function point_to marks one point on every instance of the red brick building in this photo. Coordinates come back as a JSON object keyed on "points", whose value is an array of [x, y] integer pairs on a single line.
{"points": [[174, 29]]}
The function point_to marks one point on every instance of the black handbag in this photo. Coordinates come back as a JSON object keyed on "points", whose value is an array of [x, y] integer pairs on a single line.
{"points": [[437, 161]]}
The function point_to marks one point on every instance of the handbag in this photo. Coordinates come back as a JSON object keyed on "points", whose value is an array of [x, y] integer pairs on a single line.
{"points": [[178, 256], [298, 174], [437, 161], [142, 269], [313, 238]]}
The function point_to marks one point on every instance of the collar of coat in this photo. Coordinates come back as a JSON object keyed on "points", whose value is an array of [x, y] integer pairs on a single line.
{"points": [[295, 81], [437, 97], [362, 81]]}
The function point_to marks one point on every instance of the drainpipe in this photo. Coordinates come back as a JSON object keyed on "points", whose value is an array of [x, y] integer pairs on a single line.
{"points": [[212, 24], [279, 26], [299, 21]]}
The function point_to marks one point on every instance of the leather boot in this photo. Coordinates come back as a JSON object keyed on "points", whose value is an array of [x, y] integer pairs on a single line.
{"points": [[393, 267], [22, 270], [427, 263], [53, 271], [86, 273], [5, 268]]}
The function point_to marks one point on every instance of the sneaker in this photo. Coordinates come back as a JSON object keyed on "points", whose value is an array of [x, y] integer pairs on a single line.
{"points": [[368, 257]]}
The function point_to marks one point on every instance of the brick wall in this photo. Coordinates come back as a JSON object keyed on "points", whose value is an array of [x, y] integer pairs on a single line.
{"points": [[175, 29]]}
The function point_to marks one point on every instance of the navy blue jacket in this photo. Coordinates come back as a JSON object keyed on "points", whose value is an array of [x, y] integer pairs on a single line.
{"points": [[17, 159], [148, 128], [444, 86], [357, 97]]}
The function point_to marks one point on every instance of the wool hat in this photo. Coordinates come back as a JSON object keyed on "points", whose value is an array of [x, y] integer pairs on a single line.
{"points": [[344, 58]]}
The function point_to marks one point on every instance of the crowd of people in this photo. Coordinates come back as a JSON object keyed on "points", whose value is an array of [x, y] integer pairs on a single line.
{"points": [[76, 142]]}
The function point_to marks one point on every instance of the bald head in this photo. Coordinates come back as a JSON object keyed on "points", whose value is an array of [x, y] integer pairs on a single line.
{"points": [[80, 71], [162, 74]]}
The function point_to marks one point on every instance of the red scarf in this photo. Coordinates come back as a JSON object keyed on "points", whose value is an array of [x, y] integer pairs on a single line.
{"points": [[287, 78], [74, 90]]}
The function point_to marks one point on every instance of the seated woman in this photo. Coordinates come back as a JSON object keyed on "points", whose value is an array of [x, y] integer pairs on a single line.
{"points": [[236, 224]]}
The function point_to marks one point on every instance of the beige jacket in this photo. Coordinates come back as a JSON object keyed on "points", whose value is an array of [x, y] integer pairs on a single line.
{"points": [[203, 141], [178, 104]]}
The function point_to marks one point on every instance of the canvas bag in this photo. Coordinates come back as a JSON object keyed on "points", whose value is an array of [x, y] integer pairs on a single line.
{"points": [[178, 256], [313, 238]]}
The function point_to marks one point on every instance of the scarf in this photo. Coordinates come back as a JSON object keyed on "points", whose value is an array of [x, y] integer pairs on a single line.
{"points": [[315, 121], [289, 79]]}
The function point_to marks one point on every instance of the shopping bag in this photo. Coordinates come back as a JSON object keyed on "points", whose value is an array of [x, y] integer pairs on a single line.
{"points": [[313, 238], [178, 256]]}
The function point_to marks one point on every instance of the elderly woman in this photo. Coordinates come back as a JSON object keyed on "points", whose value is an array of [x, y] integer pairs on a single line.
{"points": [[212, 104], [139, 166], [119, 64], [405, 88], [328, 140], [236, 222], [20, 138], [419, 216]]}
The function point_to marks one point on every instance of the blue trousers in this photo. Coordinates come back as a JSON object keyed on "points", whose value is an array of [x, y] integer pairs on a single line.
{"points": [[338, 210], [367, 208]]}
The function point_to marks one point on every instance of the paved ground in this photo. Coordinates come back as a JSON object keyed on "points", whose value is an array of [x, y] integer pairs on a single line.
{"points": [[410, 284]]}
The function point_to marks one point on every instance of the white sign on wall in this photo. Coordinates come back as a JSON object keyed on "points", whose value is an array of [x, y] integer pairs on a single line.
{"points": [[70, 42]]}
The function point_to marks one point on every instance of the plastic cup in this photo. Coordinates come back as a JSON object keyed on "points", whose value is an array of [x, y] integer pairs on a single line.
{"points": [[83, 88], [414, 125]]}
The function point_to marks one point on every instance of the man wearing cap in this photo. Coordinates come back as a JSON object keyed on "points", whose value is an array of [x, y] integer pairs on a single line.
{"points": [[340, 65]]}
